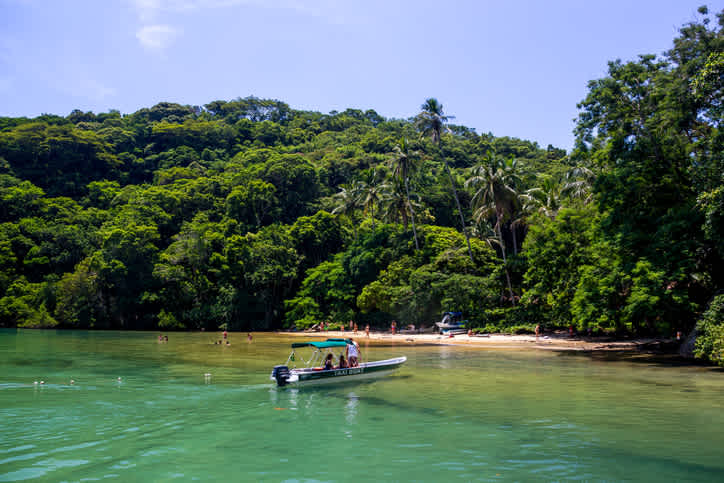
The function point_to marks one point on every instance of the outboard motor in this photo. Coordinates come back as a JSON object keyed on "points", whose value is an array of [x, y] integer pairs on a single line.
{"points": [[281, 374]]}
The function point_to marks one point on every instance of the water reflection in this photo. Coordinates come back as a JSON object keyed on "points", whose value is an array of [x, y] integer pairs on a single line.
{"points": [[351, 407]]}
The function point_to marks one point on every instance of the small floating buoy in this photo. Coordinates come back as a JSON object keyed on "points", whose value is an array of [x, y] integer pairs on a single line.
{"points": [[42, 382], [119, 379], [72, 382], [35, 382]]}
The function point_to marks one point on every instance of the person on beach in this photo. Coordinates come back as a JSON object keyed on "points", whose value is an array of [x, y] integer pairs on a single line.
{"points": [[353, 324], [537, 332], [393, 327], [329, 362], [249, 337], [165, 338], [225, 334], [353, 353], [367, 330]]}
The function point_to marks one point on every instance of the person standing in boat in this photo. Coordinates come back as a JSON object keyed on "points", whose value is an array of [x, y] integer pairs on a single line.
{"points": [[353, 353]]}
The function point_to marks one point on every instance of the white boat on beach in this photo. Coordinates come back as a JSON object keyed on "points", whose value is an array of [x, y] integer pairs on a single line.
{"points": [[451, 321], [312, 373]]}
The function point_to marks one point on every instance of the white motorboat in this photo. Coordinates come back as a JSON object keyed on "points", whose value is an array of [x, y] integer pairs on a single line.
{"points": [[451, 321], [313, 372]]}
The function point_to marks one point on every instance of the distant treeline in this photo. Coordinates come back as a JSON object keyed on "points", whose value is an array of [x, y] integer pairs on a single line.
{"points": [[249, 214]]}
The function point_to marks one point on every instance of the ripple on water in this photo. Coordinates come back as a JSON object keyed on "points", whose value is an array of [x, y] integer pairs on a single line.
{"points": [[17, 448], [23, 457], [23, 474]]}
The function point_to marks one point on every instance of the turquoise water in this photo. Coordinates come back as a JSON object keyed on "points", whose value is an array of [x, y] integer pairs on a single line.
{"points": [[451, 414]]}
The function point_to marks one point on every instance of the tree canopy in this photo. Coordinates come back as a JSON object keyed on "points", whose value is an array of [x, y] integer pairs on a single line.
{"points": [[249, 214]]}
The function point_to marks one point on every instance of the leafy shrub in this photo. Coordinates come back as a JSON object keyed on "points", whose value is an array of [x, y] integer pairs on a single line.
{"points": [[167, 321], [710, 328]]}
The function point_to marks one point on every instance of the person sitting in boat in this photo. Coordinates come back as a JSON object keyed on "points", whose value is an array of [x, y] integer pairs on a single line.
{"points": [[353, 353], [329, 362], [342, 362]]}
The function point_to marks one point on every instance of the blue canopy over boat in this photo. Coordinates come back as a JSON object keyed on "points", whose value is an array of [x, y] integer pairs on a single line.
{"points": [[322, 344]]}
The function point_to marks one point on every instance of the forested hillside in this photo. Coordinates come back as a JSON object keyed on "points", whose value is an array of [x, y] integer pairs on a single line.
{"points": [[249, 214]]}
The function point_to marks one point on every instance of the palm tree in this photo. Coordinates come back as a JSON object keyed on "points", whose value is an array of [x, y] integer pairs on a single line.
{"points": [[350, 202], [483, 231], [579, 182], [403, 161], [431, 122], [496, 196], [545, 199], [372, 194], [394, 203]]}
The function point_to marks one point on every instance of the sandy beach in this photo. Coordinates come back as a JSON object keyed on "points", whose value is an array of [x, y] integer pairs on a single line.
{"points": [[550, 341]]}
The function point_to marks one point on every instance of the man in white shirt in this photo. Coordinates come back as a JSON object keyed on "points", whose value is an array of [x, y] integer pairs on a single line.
{"points": [[352, 353]]}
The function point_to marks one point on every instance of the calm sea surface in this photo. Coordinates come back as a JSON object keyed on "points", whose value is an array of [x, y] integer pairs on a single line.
{"points": [[451, 414]]}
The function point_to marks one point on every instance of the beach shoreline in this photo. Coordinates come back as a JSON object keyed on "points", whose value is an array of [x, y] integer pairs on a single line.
{"points": [[552, 341]]}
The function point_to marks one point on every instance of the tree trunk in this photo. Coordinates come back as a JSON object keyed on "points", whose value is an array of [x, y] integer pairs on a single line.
{"points": [[460, 210], [505, 260], [373, 218], [412, 214]]}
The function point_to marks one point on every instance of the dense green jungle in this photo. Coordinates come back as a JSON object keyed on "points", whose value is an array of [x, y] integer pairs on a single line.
{"points": [[251, 215]]}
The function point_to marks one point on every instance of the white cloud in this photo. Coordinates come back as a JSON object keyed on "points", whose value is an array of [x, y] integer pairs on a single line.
{"points": [[149, 10], [156, 37]]}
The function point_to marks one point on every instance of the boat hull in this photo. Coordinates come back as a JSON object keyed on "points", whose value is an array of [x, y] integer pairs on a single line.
{"points": [[365, 371]]}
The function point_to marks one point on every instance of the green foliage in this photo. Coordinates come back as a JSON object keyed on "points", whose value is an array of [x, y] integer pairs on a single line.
{"points": [[24, 305], [167, 321], [417, 289], [249, 214], [710, 333]]}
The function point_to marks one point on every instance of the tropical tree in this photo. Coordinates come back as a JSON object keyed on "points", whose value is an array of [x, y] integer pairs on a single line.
{"points": [[579, 181], [495, 196], [403, 161], [349, 202], [372, 196], [431, 122], [544, 199]]}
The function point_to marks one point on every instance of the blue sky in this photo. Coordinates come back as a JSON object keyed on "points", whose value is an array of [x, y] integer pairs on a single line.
{"points": [[513, 68]]}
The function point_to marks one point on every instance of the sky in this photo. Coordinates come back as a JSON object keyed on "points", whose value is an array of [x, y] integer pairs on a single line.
{"points": [[510, 67]]}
